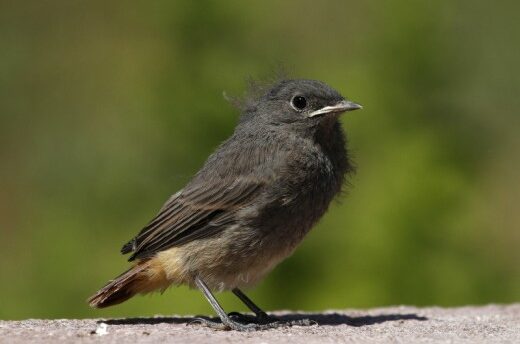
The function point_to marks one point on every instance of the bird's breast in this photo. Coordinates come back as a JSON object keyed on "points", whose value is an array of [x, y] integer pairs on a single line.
{"points": [[298, 198]]}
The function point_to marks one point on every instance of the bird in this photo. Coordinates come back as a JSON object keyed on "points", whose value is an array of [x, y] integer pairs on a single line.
{"points": [[248, 207]]}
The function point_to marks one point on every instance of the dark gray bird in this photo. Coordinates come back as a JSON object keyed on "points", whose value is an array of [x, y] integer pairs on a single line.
{"points": [[249, 206]]}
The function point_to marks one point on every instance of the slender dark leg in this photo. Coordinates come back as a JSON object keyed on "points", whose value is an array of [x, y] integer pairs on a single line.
{"points": [[227, 322], [230, 324], [261, 316]]}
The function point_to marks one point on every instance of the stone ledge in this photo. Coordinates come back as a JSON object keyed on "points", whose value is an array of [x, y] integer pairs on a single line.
{"points": [[492, 323]]}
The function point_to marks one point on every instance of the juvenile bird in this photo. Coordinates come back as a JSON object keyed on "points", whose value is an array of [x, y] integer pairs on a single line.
{"points": [[249, 206]]}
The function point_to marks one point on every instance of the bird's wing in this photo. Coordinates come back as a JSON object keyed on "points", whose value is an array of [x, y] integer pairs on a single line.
{"points": [[200, 210]]}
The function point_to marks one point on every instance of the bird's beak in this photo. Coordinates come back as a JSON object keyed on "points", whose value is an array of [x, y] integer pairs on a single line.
{"points": [[342, 106]]}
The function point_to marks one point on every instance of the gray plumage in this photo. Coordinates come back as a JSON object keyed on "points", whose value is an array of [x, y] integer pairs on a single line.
{"points": [[256, 196]]}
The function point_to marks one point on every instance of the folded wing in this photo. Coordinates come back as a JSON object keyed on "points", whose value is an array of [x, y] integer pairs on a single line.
{"points": [[198, 211]]}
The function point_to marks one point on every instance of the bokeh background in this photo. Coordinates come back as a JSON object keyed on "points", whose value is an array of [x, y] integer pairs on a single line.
{"points": [[107, 108]]}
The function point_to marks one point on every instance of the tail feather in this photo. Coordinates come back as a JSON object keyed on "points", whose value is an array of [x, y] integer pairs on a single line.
{"points": [[123, 287]]}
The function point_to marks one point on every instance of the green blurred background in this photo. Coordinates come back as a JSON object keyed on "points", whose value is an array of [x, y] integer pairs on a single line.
{"points": [[106, 108]]}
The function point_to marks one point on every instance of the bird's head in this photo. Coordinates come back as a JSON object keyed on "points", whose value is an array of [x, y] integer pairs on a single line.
{"points": [[302, 103]]}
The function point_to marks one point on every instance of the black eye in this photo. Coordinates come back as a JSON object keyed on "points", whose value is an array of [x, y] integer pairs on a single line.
{"points": [[299, 102]]}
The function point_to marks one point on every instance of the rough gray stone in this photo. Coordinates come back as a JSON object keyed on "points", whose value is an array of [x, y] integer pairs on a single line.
{"points": [[485, 324]]}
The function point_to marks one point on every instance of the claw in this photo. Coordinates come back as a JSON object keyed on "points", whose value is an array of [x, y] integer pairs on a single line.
{"points": [[207, 323]]}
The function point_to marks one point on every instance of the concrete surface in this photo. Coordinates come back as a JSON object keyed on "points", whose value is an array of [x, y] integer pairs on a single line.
{"points": [[486, 324]]}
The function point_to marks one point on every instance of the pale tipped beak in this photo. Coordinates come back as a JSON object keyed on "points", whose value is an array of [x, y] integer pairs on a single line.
{"points": [[342, 106]]}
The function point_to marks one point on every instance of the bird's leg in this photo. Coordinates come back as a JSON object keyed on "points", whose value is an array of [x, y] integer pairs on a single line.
{"points": [[229, 324], [261, 316]]}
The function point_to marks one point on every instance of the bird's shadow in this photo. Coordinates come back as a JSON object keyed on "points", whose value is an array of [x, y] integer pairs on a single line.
{"points": [[331, 319]]}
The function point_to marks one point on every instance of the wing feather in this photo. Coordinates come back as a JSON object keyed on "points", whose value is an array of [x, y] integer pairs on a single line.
{"points": [[198, 211]]}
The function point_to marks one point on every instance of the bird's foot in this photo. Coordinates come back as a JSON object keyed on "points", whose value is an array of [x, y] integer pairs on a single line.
{"points": [[239, 322], [266, 319], [226, 325]]}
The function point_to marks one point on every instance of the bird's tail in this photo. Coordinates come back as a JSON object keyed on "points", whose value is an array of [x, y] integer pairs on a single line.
{"points": [[142, 278]]}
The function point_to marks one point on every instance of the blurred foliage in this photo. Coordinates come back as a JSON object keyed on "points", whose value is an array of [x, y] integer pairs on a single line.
{"points": [[107, 108]]}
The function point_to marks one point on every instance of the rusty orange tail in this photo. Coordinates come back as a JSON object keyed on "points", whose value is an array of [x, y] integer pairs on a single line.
{"points": [[135, 280]]}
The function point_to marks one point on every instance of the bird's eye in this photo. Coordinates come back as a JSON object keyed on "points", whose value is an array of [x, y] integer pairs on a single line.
{"points": [[299, 103]]}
